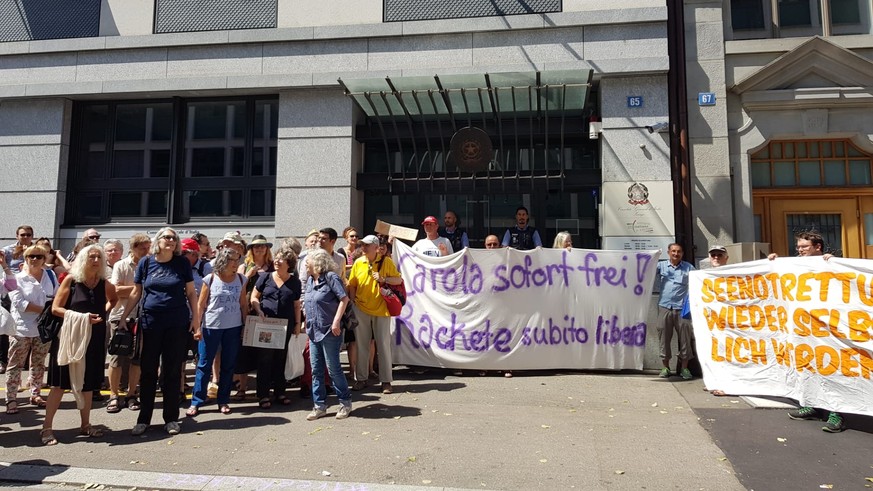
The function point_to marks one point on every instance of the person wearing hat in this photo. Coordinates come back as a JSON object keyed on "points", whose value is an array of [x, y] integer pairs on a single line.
{"points": [[432, 245], [368, 275], [718, 256]]}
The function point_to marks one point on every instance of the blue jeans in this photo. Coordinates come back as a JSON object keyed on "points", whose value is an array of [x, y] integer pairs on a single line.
{"points": [[230, 341], [328, 351]]}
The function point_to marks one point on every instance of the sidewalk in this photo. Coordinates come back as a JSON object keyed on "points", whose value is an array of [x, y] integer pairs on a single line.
{"points": [[538, 430]]}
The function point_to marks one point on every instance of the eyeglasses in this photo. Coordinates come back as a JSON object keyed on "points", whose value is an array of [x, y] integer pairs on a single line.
{"points": [[170, 238], [94, 237], [35, 257], [716, 254], [25, 235]]}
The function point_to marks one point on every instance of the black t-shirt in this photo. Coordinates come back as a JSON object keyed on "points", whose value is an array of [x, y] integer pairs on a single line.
{"points": [[278, 301]]}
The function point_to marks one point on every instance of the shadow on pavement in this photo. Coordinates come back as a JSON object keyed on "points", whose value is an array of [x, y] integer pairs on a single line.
{"points": [[383, 411]]}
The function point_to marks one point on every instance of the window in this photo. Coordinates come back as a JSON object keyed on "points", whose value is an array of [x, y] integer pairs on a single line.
{"points": [[747, 14], [755, 19], [818, 163], [173, 161]]}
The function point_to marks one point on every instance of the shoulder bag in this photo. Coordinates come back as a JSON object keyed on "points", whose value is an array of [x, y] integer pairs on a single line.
{"points": [[47, 323], [394, 295]]}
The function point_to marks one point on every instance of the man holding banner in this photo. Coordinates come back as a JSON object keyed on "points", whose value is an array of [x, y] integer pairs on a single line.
{"points": [[673, 281]]}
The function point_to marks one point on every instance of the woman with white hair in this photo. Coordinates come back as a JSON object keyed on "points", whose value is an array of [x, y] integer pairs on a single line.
{"points": [[85, 291], [169, 314], [563, 241], [325, 302]]}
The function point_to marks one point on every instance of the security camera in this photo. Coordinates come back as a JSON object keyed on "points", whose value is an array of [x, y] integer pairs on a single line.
{"points": [[662, 127], [594, 129]]}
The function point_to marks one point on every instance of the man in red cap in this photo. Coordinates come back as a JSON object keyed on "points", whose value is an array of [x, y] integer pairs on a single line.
{"points": [[200, 267], [433, 245]]}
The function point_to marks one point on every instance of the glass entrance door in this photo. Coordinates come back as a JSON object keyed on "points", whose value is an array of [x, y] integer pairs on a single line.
{"points": [[835, 219]]}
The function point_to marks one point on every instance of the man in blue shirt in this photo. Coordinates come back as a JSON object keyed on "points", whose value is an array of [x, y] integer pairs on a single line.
{"points": [[672, 279], [522, 236], [452, 230]]}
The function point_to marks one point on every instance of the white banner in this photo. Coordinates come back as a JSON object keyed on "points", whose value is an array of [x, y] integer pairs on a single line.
{"points": [[793, 327], [508, 309]]}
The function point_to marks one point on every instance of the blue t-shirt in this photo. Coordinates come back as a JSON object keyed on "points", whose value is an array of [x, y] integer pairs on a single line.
{"points": [[163, 289], [322, 301], [278, 301], [673, 281]]}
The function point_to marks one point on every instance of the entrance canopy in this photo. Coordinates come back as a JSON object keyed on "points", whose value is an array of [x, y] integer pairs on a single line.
{"points": [[546, 93]]}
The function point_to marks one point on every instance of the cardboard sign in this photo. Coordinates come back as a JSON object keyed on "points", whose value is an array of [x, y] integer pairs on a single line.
{"points": [[405, 233], [265, 333]]}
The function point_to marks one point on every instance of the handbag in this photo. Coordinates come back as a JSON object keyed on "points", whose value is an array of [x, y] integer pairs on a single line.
{"points": [[121, 343], [7, 323], [349, 320], [47, 323], [294, 364], [394, 295]]}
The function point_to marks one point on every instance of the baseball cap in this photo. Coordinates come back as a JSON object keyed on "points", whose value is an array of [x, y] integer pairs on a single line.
{"points": [[370, 239], [190, 245], [717, 248], [429, 219]]}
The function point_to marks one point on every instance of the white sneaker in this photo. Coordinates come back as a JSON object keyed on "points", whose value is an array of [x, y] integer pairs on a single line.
{"points": [[139, 429], [315, 414], [172, 427], [344, 412]]}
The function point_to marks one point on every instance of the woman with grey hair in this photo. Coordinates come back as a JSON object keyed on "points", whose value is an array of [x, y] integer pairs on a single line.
{"points": [[223, 306], [169, 313], [325, 301], [277, 295], [87, 292], [563, 241]]}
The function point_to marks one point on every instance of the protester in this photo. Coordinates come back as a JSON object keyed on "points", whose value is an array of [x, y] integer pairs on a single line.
{"points": [[367, 276], [672, 278], [114, 249], [122, 277], [83, 300], [14, 258], [277, 295], [563, 241], [259, 261], [522, 236], [89, 237], [311, 241], [166, 281], [35, 286], [432, 244], [350, 234], [223, 306], [326, 301], [810, 244], [492, 242], [202, 240], [452, 231], [54, 260], [200, 268], [718, 256]]}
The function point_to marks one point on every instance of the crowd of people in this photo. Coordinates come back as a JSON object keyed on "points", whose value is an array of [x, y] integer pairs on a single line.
{"points": [[172, 295]]}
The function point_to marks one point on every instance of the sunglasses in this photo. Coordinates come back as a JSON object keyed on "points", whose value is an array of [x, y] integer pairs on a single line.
{"points": [[35, 257], [170, 238], [94, 237], [25, 235]]}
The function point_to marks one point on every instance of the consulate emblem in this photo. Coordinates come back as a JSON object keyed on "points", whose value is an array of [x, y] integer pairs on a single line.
{"points": [[638, 194], [471, 149]]}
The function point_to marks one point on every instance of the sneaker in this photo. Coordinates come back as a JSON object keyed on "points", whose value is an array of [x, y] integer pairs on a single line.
{"points": [[803, 413], [386, 388], [172, 428], [665, 372], [685, 374], [316, 413], [212, 391], [834, 424], [344, 412], [139, 429]]}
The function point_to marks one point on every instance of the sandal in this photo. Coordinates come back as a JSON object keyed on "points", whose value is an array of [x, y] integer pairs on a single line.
{"points": [[12, 407], [90, 431], [192, 411], [47, 437], [37, 401], [225, 409], [114, 405], [132, 403], [265, 403]]}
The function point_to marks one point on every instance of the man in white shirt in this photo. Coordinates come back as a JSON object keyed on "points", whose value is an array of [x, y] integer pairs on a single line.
{"points": [[432, 245]]}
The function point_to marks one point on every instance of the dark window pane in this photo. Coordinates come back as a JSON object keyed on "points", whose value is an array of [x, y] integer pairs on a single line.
{"points": [[263, 202], [237, 162], [845, 12], [213, 203], [128, 163], [794, 13], [272, 161], [266, 119], [162, 122], [130, 122], [88, 207], [761, 175], [747, 14], [94, 122], [93, 166], [259, 167], [835, 172], [157, 203], [125, 204], [206, 162], [160, 164]]}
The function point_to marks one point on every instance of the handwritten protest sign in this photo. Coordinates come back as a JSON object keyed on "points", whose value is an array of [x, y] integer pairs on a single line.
{"points": [[793, 327], [508, 309]]}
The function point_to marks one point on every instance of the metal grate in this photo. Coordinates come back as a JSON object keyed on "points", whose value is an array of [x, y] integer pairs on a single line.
{"points": [[25, 20], [402, 10], [214, 15], [829, 225]]}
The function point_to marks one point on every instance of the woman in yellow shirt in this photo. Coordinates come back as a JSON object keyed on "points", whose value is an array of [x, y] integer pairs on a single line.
{"points": [[367, 276]]}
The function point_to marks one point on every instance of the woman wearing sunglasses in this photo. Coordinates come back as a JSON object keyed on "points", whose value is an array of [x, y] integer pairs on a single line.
{"points": [[36, 285], [169, 314]]}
